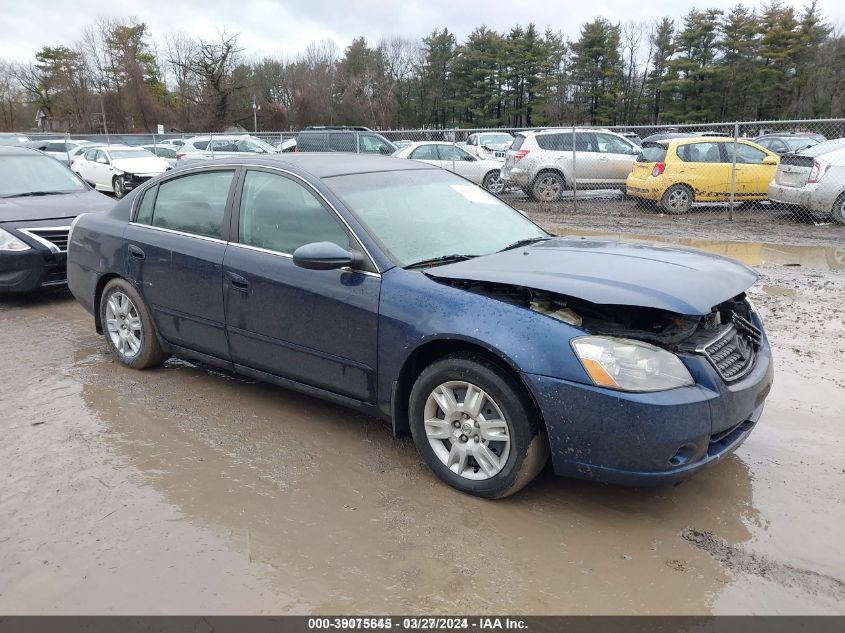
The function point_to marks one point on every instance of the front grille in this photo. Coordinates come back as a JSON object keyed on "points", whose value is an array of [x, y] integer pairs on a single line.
{"points": [[734, 352], [54, 237]]}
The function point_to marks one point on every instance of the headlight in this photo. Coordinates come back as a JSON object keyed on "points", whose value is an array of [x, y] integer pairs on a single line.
{"points": [[9, 242], [627, 365]]}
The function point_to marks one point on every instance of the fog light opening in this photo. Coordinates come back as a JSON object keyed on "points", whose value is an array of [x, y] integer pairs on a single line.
{"points": [[682, 456]]}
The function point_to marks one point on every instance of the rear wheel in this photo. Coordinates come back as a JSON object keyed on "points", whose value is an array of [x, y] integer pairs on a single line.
{"points": [[838, 210], [677, 199], [548, 187], [128, 327], [475, 427]]}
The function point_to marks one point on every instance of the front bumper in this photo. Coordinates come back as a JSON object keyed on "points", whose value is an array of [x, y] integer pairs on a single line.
{"points": [[648, 439], [26, 271]]}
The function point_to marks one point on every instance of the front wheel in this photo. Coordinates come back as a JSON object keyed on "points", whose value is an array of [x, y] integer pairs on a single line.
{"points": [[128, 327], [475, 427], [677, 199], [119, 187], [493, 183]]}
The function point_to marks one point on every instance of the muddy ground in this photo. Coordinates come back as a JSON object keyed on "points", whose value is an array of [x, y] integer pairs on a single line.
{"points": [[187, 490]]}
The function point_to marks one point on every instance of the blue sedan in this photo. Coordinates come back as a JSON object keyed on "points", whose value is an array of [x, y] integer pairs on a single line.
{"points": [[404, 291]]}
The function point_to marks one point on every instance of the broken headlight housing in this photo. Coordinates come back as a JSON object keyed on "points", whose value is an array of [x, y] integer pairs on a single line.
{"points": [[628, 365]]}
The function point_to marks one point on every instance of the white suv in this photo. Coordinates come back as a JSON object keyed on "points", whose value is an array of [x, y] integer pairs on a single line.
{"points": [[542, 163]]}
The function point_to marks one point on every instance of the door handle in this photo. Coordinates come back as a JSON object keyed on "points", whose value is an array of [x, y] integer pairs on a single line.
{"points": [[136, 252], [238, 282]]}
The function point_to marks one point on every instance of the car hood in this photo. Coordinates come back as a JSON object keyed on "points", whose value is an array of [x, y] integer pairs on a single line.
{"points": [[151, 165], [679, 280], [67, 205]]}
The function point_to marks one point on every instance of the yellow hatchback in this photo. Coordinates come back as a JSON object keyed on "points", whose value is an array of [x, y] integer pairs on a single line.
{"points": [[678, 172]]}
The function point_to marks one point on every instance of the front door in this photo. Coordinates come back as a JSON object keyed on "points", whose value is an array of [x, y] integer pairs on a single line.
{"points": [[752, 176], [318, 327], [175, 254]]}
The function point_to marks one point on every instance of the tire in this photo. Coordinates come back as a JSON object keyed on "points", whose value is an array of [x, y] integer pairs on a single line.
{"points": [[480, 465], [548, 187], [677, 200], [493, 183], [118, 187], [837, 213], [128, 328]]}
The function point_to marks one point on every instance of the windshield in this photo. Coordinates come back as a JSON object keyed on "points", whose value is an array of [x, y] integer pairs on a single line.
{"points": [[419, 215], [117, 154], [823, 148], [27, 174]]}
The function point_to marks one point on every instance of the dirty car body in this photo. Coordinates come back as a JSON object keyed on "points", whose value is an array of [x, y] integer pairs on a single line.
{"points": [[688, 369]]}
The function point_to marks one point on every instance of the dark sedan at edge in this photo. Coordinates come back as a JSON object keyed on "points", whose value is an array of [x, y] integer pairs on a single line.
{"points": [[406, 292], [39, 198]]}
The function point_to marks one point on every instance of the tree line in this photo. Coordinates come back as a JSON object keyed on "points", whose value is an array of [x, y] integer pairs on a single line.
{"points": [[743, 64]]}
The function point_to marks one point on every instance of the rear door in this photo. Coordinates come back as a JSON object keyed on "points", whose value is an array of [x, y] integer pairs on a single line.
{"points": [[427, 153], [176, 243], [318, 327], [616, 157]]}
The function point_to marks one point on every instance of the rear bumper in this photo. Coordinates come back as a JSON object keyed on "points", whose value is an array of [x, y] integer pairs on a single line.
{"points": [[644, 188], [516, 176], [648, 439], [811, 197]]}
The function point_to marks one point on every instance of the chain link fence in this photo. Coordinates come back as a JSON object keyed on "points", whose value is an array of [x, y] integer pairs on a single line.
{"points": [[745, 172]]}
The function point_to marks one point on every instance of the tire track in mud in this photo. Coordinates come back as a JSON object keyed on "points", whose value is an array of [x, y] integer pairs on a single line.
{"points": [[738, 560]]}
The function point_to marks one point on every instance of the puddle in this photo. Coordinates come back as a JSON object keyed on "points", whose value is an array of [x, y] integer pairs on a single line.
{"points": [[751, 253]]}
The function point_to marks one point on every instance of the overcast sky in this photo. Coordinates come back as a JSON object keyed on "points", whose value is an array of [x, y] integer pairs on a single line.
{"points": [[285, 27]]}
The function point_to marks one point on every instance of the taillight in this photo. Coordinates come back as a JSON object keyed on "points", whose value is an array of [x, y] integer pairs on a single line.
{"points": [[659, 168], [180, 156], [819, 169], [520, 154]]}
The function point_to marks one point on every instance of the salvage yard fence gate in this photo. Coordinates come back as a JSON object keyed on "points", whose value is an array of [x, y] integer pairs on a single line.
{"points": [[724, 179]]}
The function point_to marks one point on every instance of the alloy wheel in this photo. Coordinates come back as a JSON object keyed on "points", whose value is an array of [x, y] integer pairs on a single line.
{"points": [[123, 324], [467, 430], [495, 184], [549, 188]]}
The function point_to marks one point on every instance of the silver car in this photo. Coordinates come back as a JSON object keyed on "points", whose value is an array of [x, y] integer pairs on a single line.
{"points": [[456, 159], [221, 146], [543, 164], [813, 179]]}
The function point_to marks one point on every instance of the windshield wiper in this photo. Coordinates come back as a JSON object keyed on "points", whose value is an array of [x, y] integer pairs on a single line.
{"points": [[34, 193], [443, 259], [525, 242]]}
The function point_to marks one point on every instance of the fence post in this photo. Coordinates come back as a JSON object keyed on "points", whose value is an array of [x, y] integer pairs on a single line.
{"points": [[574, 171], [733, 172], [67, 149]]}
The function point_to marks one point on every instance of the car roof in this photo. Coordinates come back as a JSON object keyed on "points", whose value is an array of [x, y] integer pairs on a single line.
{"points": [[326, 164], [20, 151]]}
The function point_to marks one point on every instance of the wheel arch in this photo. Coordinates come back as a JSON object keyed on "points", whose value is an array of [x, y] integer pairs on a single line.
{"points": [[545, 169], [433, 350]]}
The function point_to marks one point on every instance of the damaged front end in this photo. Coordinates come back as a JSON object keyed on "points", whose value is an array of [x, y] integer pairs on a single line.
{"points": [[726, 336]]}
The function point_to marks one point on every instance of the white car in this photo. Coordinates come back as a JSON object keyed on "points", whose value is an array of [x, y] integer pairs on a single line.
{"points": [[490, 145], [222, 146], [118, 168], [456, 159], [64, 150]]}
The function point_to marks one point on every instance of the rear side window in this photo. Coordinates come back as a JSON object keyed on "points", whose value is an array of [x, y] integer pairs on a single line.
{"points": [[652, 154], [200, 144], [700, 153], [280, 214], [342, 142], [562, 142], [193, 204], [312, 142], [425, 152]]}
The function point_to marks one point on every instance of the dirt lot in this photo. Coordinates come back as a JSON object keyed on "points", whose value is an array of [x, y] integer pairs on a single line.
{"points": [[186, 490]]}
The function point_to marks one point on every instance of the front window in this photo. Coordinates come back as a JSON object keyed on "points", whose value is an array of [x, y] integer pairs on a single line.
{"points": [[610, 144], [419, 215], [746, 154], [373, 143], [23, 175]]}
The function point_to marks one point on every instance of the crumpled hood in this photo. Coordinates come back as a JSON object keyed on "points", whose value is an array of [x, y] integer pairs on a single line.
{"points": [[66, 205], [151, 165], [679, 280]]}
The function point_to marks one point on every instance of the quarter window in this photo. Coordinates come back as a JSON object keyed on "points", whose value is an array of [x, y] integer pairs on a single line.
{"points": [[144, 215], [280, 214], [193, 204]]}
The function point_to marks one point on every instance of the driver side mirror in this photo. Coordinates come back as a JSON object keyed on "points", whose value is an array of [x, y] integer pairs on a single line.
{"points": [[770, 160], [325, 256]]}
